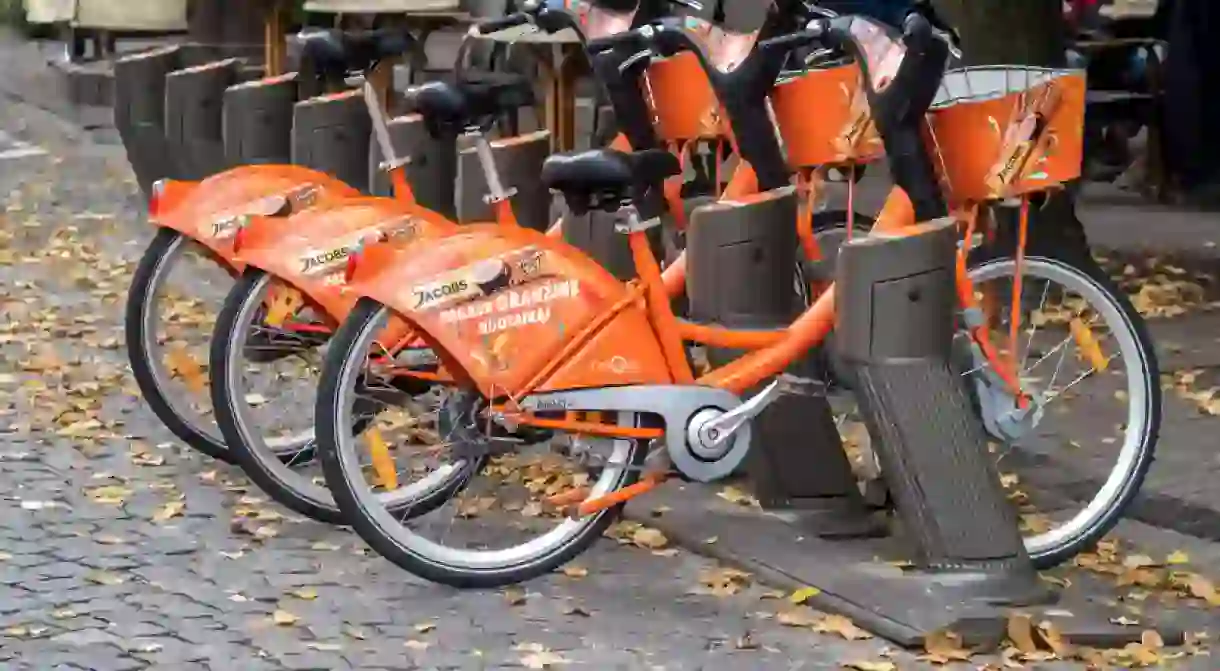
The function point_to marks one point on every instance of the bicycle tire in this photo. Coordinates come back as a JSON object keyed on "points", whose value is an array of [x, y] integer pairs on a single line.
{"points": [[164, 244]]}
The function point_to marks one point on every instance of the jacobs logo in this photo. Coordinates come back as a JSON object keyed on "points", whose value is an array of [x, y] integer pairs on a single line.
{"points": [[311, 264], [425, 296]]}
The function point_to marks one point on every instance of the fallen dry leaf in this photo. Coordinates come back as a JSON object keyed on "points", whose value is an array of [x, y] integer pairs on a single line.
{"points": [[649, 538], [944, 647], [723, 581], [539, 657], [573, 571], [169, 511], [799, 617], [842, 626], [737, 496], [181, 363], [745, 642], [514, 597], [1052, 638], [104, 578], [1020, 632], [283, 618]]}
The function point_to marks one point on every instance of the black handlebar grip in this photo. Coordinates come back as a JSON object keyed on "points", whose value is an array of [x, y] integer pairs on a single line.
{"points": [[630, 38], [502, 23]]}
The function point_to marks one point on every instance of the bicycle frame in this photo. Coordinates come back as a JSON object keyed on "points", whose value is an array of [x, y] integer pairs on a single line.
{"points": [[578, 345]]}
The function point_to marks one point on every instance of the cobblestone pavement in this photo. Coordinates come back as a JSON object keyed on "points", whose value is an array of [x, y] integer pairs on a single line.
{"points": [[116, 548]]}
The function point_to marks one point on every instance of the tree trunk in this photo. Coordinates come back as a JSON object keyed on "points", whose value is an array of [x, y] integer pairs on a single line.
{"points": [[1004, 32], [228, 27], [1024, 32]]}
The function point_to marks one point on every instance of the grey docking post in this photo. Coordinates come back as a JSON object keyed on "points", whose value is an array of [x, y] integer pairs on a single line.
{"points": [[139, 113], [257, 121], [331, 134], [741, 262], [194, 98], [897, 304], [432, 171]]}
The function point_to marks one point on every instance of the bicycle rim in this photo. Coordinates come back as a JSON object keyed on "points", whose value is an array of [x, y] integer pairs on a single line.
{"points": [[1141, 422], [157, 380]]}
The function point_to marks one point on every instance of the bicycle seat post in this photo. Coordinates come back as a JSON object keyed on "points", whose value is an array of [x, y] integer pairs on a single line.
{"points": [[496, 192], [381, 129]]}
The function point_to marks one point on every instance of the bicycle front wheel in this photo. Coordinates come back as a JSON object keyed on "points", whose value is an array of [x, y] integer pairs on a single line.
{"points": [[1073, 460]]}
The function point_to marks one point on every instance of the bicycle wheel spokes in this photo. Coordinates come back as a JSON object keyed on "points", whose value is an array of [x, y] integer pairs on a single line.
{"points": [[506, 515], [278, 376], [1073, 457], [271, 361]]}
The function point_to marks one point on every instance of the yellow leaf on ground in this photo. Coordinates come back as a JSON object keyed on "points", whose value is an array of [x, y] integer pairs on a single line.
{"points": [[1177, 557], [283, 618], [871, 666], [383, 464], [803, 594], [1090, 350], [169, 511]]}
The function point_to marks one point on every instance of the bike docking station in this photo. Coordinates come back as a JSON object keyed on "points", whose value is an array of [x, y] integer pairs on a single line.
{"points": [[257, 120], [951, 558], [331, 133]]}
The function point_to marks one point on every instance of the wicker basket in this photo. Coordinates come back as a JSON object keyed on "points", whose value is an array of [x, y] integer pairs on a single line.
{"points": [[1005, 131]]}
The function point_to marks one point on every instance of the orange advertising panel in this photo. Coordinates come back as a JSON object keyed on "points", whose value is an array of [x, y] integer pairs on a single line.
{"points": [[211, 210], [501, 303], [310, 249]]}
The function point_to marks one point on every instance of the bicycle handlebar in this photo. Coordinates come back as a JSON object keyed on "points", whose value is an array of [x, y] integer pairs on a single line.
{"points": [[503, 23], [533, 12]]}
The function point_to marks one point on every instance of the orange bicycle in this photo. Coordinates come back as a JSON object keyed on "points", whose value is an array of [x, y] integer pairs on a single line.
{"points": [[554, 344]]}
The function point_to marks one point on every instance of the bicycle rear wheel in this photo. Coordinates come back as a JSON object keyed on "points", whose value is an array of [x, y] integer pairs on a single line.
{"points": [[166, 326], [256, 359], [504, 537]]}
